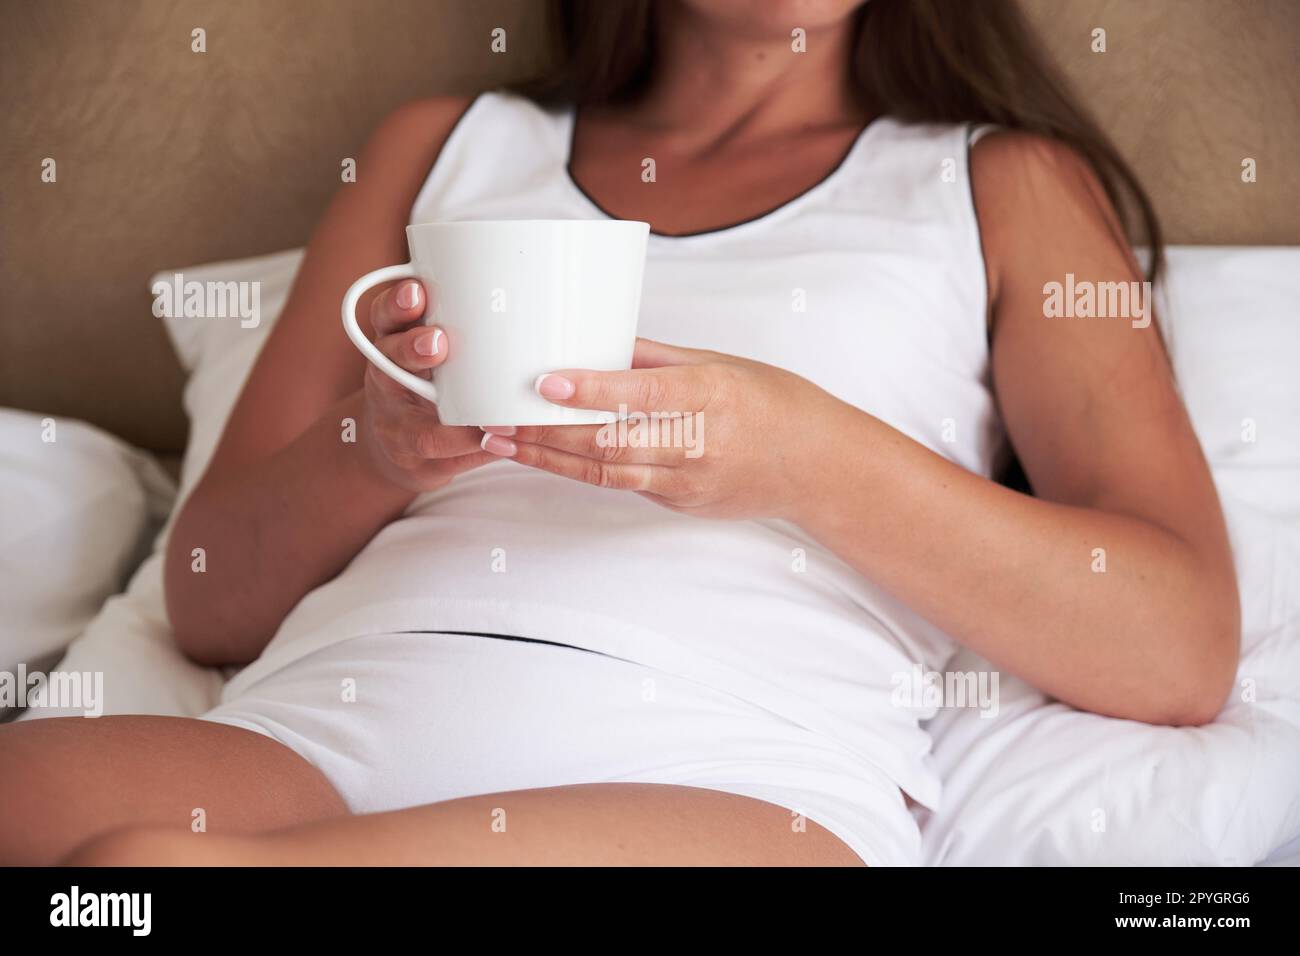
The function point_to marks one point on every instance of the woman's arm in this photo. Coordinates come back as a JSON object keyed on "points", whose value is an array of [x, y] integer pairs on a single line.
{"points": [[286, 502], [1092, 410]]}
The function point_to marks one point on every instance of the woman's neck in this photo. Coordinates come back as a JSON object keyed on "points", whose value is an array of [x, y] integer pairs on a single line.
{"points": [[714, 83]]}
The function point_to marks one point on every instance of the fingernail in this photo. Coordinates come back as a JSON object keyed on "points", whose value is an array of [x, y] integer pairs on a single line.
{"points": [[499, 429], [497, 445], [408, 294], [553, 386], [427, 344]]}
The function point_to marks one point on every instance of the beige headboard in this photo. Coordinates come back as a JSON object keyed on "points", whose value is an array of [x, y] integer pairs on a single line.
{"points": [[167, 157]]}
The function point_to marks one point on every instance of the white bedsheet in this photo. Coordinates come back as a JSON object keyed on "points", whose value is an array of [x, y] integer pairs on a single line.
{"points": [[78, 509], [130, 643]]}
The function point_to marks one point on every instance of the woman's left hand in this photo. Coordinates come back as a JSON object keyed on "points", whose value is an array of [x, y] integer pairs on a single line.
{"points": [[742, 436]]}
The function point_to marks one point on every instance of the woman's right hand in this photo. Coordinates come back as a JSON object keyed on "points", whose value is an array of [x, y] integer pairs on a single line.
{"points": [[406, 442]]}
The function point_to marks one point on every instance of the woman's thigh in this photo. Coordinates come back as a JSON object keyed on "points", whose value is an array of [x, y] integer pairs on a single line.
{"points": [[65, 780], [612, 824]]}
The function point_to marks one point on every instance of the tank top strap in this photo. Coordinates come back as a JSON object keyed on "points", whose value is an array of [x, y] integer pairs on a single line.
{"points": [[502, 144]]}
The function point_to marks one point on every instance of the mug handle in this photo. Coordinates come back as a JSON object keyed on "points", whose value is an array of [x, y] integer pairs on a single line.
{"points": [[421, 386]]}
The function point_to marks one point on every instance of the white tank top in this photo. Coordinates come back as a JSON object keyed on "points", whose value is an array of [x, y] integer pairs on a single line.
{"points": [[870, 284]]}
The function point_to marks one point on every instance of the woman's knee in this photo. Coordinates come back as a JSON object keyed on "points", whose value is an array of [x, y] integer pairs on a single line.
{"points": [[164, 846], [63, 781]]}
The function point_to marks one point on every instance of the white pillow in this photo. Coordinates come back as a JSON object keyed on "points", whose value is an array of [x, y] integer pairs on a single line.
{"points": [[130, 641], [76, 506], [1234, 336], [1042, 783], [220, 352]]}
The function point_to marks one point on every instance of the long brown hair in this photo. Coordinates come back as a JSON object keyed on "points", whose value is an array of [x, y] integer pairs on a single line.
{"points": [[946, 61]]}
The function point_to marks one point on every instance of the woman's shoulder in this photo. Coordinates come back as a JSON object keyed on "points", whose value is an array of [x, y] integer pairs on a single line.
{"points": [[425, 124], [420, 122], [1018, 177], [1039, 202], [400, 151], [1006, 160]]}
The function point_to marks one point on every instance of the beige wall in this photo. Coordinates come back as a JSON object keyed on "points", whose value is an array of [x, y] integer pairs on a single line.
{"points": [[167, 158], [1188, 89]]}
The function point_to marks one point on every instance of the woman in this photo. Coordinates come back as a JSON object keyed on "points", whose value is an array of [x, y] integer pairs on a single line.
{"points": [[513, 645]]}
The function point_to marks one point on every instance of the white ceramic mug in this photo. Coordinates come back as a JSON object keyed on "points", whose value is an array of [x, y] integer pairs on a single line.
{"points": [[517, 299]]}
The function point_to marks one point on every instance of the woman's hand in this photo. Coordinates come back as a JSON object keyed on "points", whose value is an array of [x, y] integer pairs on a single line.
{"points": [[705, 433], [407, 443]]}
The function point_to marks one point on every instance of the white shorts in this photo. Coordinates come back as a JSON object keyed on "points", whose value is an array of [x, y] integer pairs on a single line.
{"points": [[401, 720]]}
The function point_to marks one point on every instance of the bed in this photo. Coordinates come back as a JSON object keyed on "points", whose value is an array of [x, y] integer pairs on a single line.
{"points": [[84, 514], [1036, 783]]}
